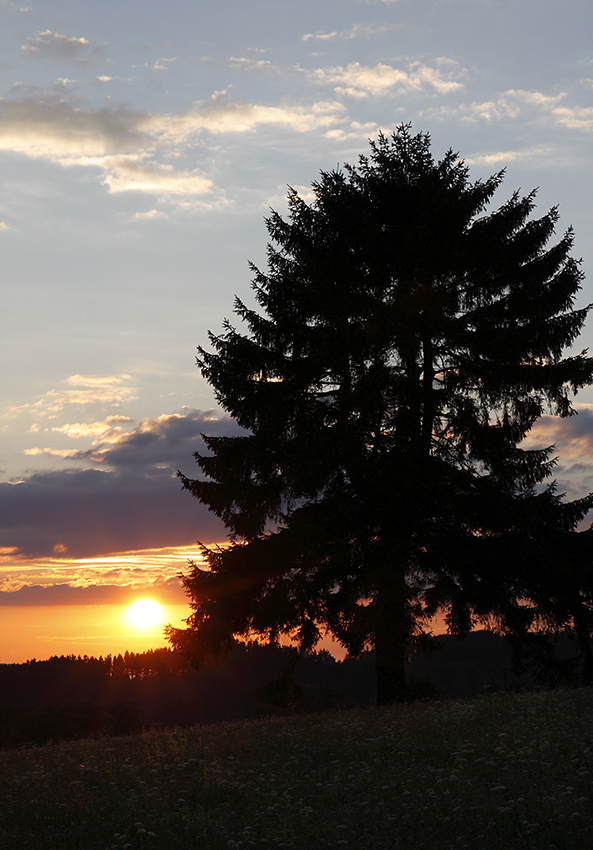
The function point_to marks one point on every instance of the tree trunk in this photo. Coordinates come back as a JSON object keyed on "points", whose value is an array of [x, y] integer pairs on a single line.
{"points": [[586, 666], [391, 635]]}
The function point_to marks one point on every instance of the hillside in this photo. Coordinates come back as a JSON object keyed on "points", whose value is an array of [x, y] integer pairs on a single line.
{"points": [[502, 771]]}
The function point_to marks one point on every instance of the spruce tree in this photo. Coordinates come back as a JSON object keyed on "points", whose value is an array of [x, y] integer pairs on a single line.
{"points": [[406, 340]]}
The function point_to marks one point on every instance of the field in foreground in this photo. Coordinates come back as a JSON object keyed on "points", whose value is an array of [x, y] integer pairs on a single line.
{"points": [[503, 771]]}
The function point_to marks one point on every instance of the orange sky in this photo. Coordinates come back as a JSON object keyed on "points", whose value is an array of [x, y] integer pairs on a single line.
{"points": [[80, 606], [39, 632]]}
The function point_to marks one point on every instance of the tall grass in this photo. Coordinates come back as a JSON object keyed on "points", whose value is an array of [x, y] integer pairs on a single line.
{"points": [[504, 771]]}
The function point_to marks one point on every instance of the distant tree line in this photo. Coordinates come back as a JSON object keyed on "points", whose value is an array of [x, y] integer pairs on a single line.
{"points": [[80, 696]]}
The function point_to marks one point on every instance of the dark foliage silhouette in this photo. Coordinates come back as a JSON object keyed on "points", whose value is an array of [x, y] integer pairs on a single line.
{"points": [[408, 340]]}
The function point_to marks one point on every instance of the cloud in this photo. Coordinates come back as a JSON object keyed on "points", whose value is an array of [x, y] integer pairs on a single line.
{"points": [[133, 502], [126, 147], [360, 131], [575, 118], [39, 126], [218, 115], [357, 31], [363, 81], [53, 46], [162, 64], [515, 104], [511, 103], [162, 443], [142, 570], [572, 439], [82, 390], [545, 153], [572, 436], [106, 430], [131, 174], [4, 228], [118, 139], [90, 595], [246, 63], [149, 215]]}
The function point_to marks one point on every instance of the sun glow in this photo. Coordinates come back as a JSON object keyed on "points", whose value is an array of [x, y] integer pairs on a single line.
{"points": [[144, 613]]}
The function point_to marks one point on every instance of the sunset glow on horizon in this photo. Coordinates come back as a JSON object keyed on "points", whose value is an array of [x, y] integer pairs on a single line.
{"points": [[42, 632], [60, 606]]}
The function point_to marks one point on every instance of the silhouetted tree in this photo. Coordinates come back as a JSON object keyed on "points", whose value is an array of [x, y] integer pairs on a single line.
{"points": [[564, 601], [407, 341]]}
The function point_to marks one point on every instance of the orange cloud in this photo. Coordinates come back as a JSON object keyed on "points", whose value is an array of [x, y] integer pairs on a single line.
{"points": [[98, 581]]}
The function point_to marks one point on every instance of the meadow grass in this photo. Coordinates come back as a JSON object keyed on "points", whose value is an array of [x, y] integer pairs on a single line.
{"points": [[503, 771]]}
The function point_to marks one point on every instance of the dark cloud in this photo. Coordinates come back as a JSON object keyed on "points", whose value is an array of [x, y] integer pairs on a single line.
{"points": [[136, 502], [133, 500], [167, 441]]}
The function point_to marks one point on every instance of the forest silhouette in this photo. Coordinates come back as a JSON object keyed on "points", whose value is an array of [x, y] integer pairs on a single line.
{"points": [[67, 697]]}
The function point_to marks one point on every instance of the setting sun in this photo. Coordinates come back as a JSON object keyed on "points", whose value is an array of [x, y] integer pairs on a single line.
{"points": [[144, 613]]}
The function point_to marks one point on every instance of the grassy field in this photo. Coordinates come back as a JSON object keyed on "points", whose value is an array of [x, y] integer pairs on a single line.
{"points": [[503, 771]]}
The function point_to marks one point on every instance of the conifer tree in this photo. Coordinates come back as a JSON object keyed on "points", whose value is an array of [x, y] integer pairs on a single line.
{"points": [[406, 340]]}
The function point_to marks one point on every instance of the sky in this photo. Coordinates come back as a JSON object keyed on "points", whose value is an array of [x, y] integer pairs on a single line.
{"points": [[142, 144]]}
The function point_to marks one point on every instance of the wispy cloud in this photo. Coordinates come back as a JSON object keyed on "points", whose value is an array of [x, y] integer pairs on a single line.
{"points": [[364, 81], [362, 30], [511, 103], [219, 115], [575, 117], [132, 174], [53, 580], [246, 63], [149, 215], [519, 104], [127, 147], [106, 431], [572, 436], [539, 154], [81, 390], [163, 63], [55, 46], [166, 591]]}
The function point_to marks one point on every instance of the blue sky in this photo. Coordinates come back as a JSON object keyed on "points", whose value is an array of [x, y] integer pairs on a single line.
{"points": [[141, 146]]}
